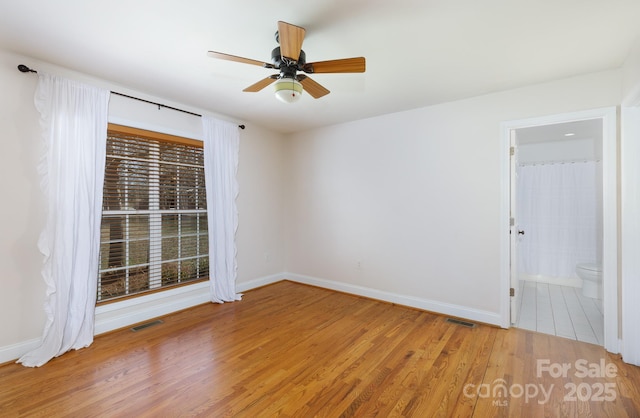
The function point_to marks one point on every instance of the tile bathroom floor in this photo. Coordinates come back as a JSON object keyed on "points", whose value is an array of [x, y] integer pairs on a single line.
{"points": [[560, 310]]}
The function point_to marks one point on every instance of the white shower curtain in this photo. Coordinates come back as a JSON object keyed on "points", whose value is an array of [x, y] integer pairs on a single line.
{"points": [[221, 147], [74, 125], [558, 210]]}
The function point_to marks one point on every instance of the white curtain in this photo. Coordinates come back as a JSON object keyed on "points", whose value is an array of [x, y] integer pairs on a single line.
{"points": [[221, 147], [557, 208], [74, 125]]}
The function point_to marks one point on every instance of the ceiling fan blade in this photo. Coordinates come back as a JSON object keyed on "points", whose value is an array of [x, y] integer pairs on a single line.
{"points": [[290, 38], [312, 87], [261, 84], [346, 65], [228, 57]]}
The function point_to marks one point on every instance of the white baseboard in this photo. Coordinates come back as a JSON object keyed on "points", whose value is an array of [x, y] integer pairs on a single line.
{"points": [[458, 311], [262, 281], [15, 351]]}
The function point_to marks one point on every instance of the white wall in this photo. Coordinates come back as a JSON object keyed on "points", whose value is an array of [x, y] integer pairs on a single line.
{"points": [[631, 76], [260, 202], [408, 204], [23, 289], [261, 176]]}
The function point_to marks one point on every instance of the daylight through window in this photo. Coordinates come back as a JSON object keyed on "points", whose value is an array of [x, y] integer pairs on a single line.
{"points": [[154, 219]]}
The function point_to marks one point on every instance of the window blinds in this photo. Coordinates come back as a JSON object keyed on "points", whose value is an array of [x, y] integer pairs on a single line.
{"points": [[154, 222]]}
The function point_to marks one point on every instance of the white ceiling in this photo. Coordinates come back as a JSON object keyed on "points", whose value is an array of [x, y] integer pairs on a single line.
{"points": [[566, 131], [419, 52]]}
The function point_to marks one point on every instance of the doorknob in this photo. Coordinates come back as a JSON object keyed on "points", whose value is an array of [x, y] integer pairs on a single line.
{"points": [[520, 232]]}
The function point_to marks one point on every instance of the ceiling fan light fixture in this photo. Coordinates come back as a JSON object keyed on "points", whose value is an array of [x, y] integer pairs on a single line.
{"points": [[288, 90]]}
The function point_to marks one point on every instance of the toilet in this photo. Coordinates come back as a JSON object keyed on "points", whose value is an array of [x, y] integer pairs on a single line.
{"points": [[591, 275]]}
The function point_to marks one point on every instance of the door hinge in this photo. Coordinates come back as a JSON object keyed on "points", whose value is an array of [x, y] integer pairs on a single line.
{"points": [[512, 221], [512, 151], [512, 292]]}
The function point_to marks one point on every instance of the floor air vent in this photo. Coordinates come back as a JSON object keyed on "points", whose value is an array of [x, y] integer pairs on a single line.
{"points": [[459, 322], [147, 325]]}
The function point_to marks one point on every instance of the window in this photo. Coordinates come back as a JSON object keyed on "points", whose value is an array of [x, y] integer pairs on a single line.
{"points": [[154, 217]]}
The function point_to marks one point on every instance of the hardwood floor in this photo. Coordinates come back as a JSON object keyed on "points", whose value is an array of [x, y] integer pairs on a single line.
{"points": [[292, 350]]}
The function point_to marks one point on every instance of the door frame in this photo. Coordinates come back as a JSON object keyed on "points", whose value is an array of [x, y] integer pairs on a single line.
{"points": [[609, 213], [630, 234]]}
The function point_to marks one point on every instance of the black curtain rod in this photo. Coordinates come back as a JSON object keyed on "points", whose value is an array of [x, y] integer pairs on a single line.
{"points": [[24, 69]]}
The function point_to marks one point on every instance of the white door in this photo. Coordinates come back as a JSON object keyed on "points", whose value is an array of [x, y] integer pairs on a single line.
{"points": [[514, 232]]}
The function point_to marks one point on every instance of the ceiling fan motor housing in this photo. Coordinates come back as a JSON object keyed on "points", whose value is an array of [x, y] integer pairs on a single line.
{"points": [[287, 69]]}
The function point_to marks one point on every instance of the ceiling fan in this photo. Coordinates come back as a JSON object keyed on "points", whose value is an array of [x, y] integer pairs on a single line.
{"points": [[289, 58]]}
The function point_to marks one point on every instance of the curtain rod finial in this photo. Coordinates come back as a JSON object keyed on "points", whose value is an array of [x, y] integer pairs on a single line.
{"points": [[24, 69]]}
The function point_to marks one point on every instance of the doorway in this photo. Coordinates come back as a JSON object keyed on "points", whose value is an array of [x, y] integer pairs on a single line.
{"points": [[558, 216], [545, 142]]}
